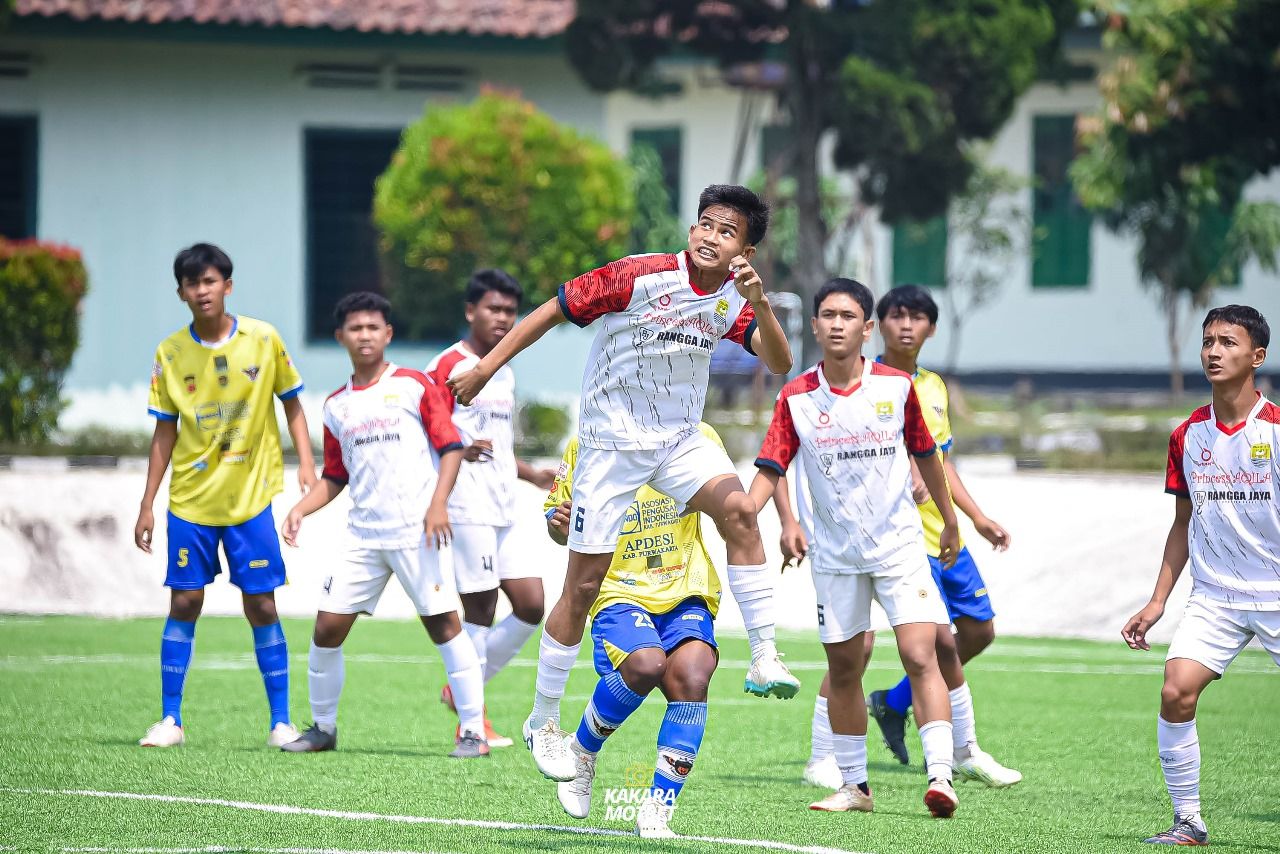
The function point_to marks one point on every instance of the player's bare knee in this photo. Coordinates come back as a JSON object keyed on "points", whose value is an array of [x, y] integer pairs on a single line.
{"points": [[442, 628], [1178, 701], [260, 609], [581, 595], [738, 522], [185, 605], [644, 670], [531, 612], [918, 661]]}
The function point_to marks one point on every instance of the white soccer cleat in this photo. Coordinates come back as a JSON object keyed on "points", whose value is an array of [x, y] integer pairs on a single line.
{"points": [[282, 734], [550, 748], [982, 767], [652, 819], [163, 733], [844, 799], [824, 773], [769, 677], [940, 799], [575, 795]]}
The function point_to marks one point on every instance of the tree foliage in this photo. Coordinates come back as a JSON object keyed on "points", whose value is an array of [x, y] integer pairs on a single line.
{"points": [[655, 226], [41, 286], [494, 183]]}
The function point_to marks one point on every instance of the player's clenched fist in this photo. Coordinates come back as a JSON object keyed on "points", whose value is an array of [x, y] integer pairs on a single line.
{"points": [[142, 529], [746, 279], [1135, 631], [465, 386]]}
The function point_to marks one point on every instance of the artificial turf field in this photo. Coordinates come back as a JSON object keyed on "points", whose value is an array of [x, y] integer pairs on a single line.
{"points": [[1077, 718]]}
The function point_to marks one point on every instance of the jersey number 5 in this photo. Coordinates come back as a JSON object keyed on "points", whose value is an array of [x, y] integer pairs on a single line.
{"points": [[182, 557]]}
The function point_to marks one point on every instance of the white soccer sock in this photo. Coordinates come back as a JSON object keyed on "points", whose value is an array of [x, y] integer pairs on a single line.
{"points": [[935, 738], [964, 735], [466, 679], [479, 639], [506, 639], [851, 756], [326, 671], [822, 745], [753, 591], [554, 662], [1179, 746]]}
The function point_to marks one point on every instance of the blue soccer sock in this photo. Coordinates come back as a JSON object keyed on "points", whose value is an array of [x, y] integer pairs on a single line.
{"points": [[679, 738], [273, 660], [611, 703], [175, 657], [898, 697]]}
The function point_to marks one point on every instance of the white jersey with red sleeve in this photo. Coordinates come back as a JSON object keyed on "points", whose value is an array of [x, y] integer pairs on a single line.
{"points": [[852, 469], [485, 492], [1230, 474], [646, 377], [384, 441]]}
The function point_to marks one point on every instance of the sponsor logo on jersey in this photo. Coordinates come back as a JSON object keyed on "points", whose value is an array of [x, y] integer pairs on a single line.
{"points": [[234, 458], [200, 465], [1260, 454], [884, 410], [251, 372], [827, 460], [1205, 458], [644, 335], [211, 416], [220, 365], [259, 564], [631, 520], [694, 617], [190, 380]]}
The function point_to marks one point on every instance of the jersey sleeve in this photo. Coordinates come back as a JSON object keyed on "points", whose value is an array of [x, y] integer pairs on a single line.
{"points": [[744, 326], [334, 469], [781, 442], [1175, 478], [915, 433], [562, 489], [437, 418], [159, 404], [943, 435], [602, 291], [288, 380]]}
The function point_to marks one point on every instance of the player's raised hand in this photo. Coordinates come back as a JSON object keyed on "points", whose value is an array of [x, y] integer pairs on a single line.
{"points": [[290, 527], [437, 526], [746, 279], [481, 450], [793, 543], [143, 528], [1135, 631], [466, 385], [949, 543], [993, 533]]}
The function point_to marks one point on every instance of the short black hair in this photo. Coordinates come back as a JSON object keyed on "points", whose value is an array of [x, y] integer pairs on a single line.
{"points": [[360, 301], [742, 200], [910, 297], [191, 262], [1242, 315], [860, 292], [483, 281]]}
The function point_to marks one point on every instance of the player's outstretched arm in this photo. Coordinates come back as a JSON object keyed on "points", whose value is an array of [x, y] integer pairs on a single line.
{"points": [[768, 342], [541, 478], [1171, 566], [466, 385], [935, 478], [793, 542], [162, 442], [436, 522], [990, 531], [325, 491], [297, 421], [762, 487]]}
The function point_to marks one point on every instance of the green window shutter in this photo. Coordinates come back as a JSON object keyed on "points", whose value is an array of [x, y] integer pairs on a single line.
{"points": [[342, 244], [1215, 226], [667, 143], [920, 253], [1062, 225], [18, 160]]}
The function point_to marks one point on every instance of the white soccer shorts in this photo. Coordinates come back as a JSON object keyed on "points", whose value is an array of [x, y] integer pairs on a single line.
{"points": [[906, 591], [1213, 634], [483, 555], [358, 585], [605, 484]]}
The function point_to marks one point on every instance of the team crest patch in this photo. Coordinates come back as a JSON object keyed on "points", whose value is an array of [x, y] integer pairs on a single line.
{"points": [[643, 335], [884, 410], [1260, 454], [251, 372], [190, 380], [827, 460], [722, 308]]}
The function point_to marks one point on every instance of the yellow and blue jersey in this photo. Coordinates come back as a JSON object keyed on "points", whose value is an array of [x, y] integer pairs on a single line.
{"points": [[227, 464], [661, 559]]}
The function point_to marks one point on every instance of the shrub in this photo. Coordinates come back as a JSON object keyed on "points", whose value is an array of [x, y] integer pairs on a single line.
{"points": [[541, 429], [494, 183], [41, 285]]}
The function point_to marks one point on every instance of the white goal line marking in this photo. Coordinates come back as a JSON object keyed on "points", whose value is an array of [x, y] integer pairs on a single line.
{"points": [[284, 809]]}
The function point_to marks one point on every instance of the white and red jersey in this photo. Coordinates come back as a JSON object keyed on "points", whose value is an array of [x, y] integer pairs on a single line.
{"points": [[646, 378], [853, 470], [1230, 475], [384, 441], [485, 493]]}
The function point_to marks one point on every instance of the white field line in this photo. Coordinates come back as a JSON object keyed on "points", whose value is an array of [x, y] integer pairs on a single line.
{"points": [[345, 815], [229, 849], [1154, 663]]}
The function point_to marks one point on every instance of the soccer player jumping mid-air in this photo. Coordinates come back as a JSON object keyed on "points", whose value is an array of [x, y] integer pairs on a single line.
{"points": [[660, 318]]}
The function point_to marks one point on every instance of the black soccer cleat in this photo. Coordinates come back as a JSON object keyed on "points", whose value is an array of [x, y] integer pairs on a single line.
{"points": [[314, 740], [893, 726], [1185, 831]]}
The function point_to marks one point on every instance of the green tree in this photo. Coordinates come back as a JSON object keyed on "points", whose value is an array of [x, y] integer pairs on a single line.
{"points": [[494, 183], [1189, 116], [903, 85], [654, 227]]}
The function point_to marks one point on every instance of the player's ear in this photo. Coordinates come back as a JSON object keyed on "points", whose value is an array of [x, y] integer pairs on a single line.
{"points": [[1259, 356], [469, 311], [337, 335], [867, 330], [748, 252], [391, 330], [933, 327], [230, 284]]}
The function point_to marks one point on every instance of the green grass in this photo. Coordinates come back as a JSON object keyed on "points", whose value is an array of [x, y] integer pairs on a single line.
{"points": [[1077, 718]]}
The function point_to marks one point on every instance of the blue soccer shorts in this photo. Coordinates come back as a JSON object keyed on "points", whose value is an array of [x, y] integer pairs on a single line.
{"points": [[252, 549], [963, 590], [621, 629]]}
